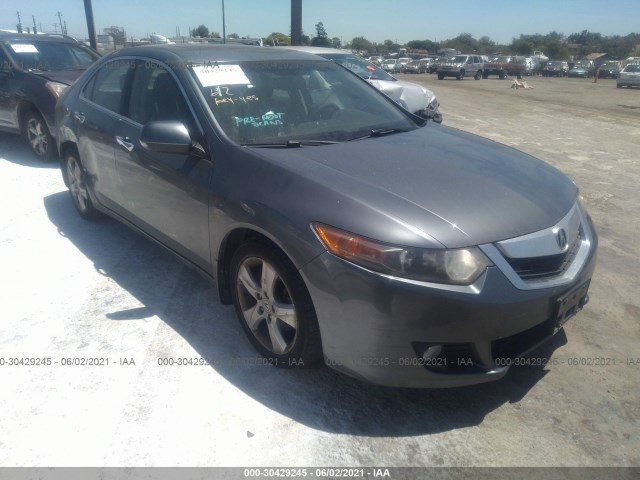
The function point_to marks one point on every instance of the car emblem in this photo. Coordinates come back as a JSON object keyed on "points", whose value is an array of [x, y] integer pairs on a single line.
{"points": [[561, 238]]}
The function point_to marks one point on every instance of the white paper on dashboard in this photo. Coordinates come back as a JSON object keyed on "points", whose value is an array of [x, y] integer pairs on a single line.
{"points": [[212, 75], [23, 48]]}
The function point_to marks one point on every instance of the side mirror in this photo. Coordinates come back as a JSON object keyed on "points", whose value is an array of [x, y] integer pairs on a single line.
{"points": [[166, 137]]}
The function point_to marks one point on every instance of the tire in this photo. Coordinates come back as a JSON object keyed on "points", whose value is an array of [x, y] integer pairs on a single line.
{"points": [[37, 135], [502, 75], [460, 75], [441, 76], [485, 76], [274, 307], [478, 75], [75, 177]]}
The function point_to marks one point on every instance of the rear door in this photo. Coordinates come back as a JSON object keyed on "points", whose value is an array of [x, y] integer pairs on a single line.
{"points": [[94, 116], [165, 194]]}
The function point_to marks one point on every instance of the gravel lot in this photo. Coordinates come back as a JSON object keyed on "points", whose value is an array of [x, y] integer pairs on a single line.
{"points": [[78, 290]]}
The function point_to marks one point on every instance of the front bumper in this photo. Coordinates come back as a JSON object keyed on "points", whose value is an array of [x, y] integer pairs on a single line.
{"points": [[377, 328]]}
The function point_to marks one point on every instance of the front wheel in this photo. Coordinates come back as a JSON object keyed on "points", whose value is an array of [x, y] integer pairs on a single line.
{"points": [[460, 75], [478, 75], [36, 132], [274, 306], [441, 76]]}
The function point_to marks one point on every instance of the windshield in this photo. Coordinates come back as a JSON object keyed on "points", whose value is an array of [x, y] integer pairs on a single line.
{"points": [[458, 59], [275, 102], [360, 66], [43, 56]]}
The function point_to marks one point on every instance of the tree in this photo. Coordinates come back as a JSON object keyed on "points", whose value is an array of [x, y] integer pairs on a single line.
{"points": [[118, 34], [321, 39], [336, 42], [277, 38], [427, 45], [215, 35], [361, 44], [200, 31]]}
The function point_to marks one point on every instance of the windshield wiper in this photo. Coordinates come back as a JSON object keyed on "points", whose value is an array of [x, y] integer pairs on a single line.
{"points": [[291, 144], [380, 132]]}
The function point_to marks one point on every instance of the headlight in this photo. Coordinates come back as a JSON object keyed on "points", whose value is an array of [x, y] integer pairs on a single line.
{"points": [[56, 88], [461, 266]]}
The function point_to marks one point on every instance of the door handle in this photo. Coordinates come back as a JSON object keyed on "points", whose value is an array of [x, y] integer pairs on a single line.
{"points": [[124, 142], [79, 116]]}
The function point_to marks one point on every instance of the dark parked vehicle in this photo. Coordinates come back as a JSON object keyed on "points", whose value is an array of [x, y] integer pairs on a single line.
{"points": [[34, 71], [416, 66], [340, 226], [609, 70], [555, 68]]}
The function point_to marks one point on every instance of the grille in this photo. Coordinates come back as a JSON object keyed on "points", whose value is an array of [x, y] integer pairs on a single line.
{"points": [[535, 268]]}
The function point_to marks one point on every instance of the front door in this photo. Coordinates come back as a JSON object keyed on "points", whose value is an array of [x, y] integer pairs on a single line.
{"points": [[165, 194]]}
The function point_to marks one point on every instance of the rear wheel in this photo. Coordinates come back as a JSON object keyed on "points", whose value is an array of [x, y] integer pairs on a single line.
{"points": [[36, 132], [441, 76], [75, 176], [274, 307], [502, 75]]}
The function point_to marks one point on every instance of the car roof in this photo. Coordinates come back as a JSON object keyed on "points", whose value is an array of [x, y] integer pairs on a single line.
{"points": [[316, 50], [30, 37], [203, 53]]}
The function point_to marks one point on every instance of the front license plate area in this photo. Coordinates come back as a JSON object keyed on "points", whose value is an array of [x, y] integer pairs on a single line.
{"points": [[570, 304]]}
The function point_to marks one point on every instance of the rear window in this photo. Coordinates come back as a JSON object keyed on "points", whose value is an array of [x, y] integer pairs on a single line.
{"points": [[48, 55]]}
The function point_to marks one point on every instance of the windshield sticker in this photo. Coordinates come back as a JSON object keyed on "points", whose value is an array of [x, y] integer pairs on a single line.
{"points": [[212, 75], [267, 120], [23, 48], [224, 95]]}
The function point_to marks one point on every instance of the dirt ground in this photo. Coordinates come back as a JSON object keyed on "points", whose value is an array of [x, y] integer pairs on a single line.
{"points": [[77, 290]]}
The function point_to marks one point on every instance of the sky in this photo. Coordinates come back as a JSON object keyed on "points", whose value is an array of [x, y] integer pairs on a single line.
{"points": [[376, 20]]}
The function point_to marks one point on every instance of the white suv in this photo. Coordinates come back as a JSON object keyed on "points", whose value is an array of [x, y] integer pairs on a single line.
{"points": [[461, 65]]}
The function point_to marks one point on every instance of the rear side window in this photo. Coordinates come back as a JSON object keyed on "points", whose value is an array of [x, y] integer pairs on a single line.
{"points": [[107, 85]]}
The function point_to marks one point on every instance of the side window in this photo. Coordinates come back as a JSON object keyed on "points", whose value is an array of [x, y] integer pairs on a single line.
{"points": [[155, 95], [5, 65], [106, 86]]}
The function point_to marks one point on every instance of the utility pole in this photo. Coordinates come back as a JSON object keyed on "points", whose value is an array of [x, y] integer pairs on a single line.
{"points": [[35, 30], [59, 15], [224, 26], [296, 22], [65, 28], [91, 26], [19, 26]]}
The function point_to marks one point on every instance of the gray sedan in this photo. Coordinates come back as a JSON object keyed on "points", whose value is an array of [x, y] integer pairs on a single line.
{"points": [[342, 228]]}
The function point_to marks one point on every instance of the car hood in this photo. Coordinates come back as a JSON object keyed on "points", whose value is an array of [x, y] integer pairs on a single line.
{"points": [[411, 96], [454, 187], [67, 77]]}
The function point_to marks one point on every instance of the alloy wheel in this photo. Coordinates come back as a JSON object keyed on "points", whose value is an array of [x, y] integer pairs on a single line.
{"points": [[266, 305], [77, 184], [37, 136]]}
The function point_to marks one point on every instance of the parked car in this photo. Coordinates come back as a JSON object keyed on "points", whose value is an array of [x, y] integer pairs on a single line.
{"points": [[400, 252], [579, 72], [391, 65], [415, 98], [504, 66], [34, 71], [460, 66], [582, 69], [403, 61], [629, 76], [416, 66], [376, 60], [555, 68], [609, 70]]}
